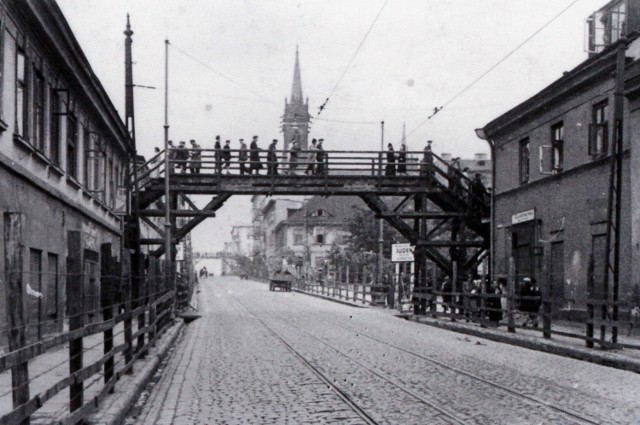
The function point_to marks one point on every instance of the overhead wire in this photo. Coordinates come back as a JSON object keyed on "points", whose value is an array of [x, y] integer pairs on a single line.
{"points": [[220, 74], [321, 108], [437, 109]]}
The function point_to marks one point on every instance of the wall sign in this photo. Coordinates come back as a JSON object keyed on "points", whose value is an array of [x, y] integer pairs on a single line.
{"points": [[523, 216]]}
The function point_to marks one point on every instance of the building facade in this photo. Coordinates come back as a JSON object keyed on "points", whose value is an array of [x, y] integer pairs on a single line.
{"points": [[64, 151], [552, 176]]}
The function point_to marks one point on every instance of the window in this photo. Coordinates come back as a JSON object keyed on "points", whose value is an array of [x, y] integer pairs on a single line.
{"points": [[38, 113], [112, 184], [86, 140], [606, 26], [557, 148], [298, 238], [598, 130], [22, 115], [72, 146], [320, 239], [54, 127], [524, 161], [34, 303], [52, 286]]}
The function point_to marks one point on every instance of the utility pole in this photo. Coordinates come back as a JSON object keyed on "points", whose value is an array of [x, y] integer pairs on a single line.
{"points": [[380, 228], [168, 252]]}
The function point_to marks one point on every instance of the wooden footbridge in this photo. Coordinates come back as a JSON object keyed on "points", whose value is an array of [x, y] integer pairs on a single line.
{"points": [[432, 204]]}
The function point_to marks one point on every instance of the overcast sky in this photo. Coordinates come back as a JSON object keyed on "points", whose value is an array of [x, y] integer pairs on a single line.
{"points": [[419, 54]]}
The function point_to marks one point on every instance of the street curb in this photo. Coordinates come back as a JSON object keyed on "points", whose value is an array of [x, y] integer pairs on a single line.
{"points": [[129, 390], [608, 359], [327, 298]]}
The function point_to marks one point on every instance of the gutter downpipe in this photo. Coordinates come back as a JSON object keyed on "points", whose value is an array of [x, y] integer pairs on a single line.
{"points": [[492, 231]]}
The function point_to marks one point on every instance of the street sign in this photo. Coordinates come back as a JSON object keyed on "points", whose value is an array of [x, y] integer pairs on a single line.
{"points": [[402, 252]]}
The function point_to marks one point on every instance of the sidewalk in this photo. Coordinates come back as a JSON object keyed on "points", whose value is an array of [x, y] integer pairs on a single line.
{"points": [[622, 358]]}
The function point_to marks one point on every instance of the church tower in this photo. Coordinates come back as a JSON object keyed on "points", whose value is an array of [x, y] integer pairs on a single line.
{"points": [[296, 119]]}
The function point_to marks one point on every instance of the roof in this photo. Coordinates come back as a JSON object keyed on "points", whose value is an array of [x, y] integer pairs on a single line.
{"points": [[340, 209], [593, 69]]}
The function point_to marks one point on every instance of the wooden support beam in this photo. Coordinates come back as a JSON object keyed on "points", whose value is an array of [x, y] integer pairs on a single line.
{"points": [[75, 310], [186, 199], [178, 213], [15, 305], [423, 214], [151, 224], [448, 243]]}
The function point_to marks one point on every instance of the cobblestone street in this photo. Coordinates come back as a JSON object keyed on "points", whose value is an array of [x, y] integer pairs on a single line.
{"points": [[260, 357]]}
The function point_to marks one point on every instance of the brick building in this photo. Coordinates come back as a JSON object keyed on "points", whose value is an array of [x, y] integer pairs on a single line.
{"points": [[63, 154], [552, 168]]}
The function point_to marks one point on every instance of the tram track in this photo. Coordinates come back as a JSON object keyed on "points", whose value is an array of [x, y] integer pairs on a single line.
{"points": [[567, 412], [451, 416]]}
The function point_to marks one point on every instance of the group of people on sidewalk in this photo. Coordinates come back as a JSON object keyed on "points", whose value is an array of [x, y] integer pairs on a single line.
{"points": [[465, 299]]}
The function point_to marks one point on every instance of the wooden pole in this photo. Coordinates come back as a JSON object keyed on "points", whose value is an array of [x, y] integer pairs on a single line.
{"points": [[75, 309], [108, 300], [15, 307], [126, 283]]}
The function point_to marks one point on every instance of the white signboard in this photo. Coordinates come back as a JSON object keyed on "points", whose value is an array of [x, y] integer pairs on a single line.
{"points": [[401, 253], [523, 216]]}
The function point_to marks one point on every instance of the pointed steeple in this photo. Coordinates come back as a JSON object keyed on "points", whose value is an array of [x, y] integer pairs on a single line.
{"points": [[296, 90]]}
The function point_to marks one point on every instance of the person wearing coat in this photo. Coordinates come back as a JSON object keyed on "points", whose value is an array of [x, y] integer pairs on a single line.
{"points": [[311, 159], [217, 155], [254, 156], [402, 160], [320, 156], [226, 155], [293, 157], [390, 169], [243, 155], [272, 159]]}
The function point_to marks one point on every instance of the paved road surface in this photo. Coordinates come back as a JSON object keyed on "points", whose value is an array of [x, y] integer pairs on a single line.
{"points": [[260, 357]]}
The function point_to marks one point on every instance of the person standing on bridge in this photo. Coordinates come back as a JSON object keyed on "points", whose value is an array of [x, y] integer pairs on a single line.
{"points": [[293, 157], [254, 156], [311, 159], [402, 160], [182, 156], [217, 155], [226, 155], [272, 159], [242, 158], [390, 169], [196, 157], [320, 157], [426, 163]]}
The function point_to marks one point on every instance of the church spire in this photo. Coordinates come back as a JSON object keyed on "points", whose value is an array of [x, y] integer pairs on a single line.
{"points": [[296, 90]]}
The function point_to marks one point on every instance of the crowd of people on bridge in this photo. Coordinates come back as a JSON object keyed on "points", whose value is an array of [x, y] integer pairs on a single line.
{"points": [[185, 159]]}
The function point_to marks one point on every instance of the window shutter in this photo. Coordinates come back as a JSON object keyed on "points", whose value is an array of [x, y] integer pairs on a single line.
{"points": [[546, 163]]}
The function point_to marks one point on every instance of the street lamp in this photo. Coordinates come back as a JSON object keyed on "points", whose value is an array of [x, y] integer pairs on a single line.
{"points": [[483, 136]]}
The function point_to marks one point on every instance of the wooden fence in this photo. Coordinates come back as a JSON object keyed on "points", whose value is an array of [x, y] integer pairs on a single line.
{"points": [[134, 309]]}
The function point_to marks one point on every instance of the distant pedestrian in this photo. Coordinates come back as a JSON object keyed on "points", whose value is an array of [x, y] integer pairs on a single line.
{"points": [[254, 156], [311, 158], [154, 163], [243, 155], [402, 160], [182, 156], [447, 294], [293, 157], [226, 156], [426, 163], [272, 159], [320, 158], [172, 155], [530, 301], [477, 196], [196, 157], [493, 303], [390, 169], [217, 155], [454, 175]]}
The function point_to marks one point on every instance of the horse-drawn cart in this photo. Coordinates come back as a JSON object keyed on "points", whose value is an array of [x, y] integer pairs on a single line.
{"points": [[281, 281]]}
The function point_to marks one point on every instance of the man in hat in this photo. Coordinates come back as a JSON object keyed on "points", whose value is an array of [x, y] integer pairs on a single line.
{"points": [[182, 156], [254, 156], [196, 157], [217, 155]]}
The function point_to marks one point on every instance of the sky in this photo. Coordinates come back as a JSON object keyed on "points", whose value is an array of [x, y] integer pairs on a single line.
{"points": [[231, 68]]}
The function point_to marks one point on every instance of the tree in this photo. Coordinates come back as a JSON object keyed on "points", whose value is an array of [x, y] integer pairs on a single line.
{"points": [[364, 230]]}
